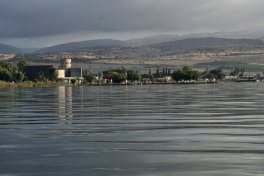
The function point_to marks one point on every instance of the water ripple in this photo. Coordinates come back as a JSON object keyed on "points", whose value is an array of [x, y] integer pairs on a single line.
{"points": [[133, 130]]}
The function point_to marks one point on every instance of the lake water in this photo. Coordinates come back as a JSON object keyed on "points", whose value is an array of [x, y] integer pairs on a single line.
{"points": [[151, 130]]}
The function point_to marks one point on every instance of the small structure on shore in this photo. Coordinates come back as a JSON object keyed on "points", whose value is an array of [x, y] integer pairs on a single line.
{"points": [[164, 79], [67, 74]]}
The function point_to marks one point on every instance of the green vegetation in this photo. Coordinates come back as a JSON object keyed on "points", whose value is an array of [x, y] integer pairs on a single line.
{"points": [[116, 75], [133, 75], [186, 73], [53, 74], [19, 77], [29, 84], [9, 73], [237, 72], [213, 74], [21, 64], [88, 77], [12, 76], [163, 73]]}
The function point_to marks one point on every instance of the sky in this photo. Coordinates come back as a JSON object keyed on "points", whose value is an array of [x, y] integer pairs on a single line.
{"points": [[42, 23]]}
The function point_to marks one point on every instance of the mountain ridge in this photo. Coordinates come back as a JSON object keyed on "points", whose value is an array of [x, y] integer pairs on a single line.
{"points": [[208, 42], [82, 45], [162, 42]]}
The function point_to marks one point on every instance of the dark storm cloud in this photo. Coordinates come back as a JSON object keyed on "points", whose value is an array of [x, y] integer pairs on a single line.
{"points": [[38, 18]]}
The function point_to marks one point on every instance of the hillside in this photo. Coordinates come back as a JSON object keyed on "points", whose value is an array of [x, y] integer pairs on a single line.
{"points": [[175, 45], [82, 45], [197, 43], [162, 38], [7, 49], [197, 52]]}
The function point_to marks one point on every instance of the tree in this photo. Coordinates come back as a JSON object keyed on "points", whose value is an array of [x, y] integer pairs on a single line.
{"points": [[237, 71], [88, 76], [186, 69], [218, 74], [8, 66], [5, 74], [157, 75], [178, 75], [133, 75], [8, 72], [186, 73], [149, 73], [194, 75], [53, 74], [21, 64], [205, 73], [19, 77], [107, 75], [118, 77], [151, 77], [163, 72], [144, 75]]}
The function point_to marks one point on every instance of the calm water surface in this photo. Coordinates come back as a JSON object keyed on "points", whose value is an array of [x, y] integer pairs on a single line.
{"points": [[157, 130]]}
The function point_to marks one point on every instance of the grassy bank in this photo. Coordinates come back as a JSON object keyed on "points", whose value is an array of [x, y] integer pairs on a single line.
{"points": [[29, 84]]}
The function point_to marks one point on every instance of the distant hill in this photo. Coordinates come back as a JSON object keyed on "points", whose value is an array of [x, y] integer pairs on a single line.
{"points": [[7, 49], [160, 43], [227, 35], [194, 43], [82, 45], [162, 38], [151, 40]]}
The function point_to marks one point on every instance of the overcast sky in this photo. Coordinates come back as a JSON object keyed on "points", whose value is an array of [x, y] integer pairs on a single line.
{"points": [[38, 23]]}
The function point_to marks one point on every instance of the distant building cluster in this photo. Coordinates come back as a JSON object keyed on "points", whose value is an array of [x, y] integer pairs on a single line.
{"points": [[65, 73]]}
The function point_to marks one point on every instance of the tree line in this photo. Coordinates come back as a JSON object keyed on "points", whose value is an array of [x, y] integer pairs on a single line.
{"points": [[14, 73], [185, 73], [10, 72]]}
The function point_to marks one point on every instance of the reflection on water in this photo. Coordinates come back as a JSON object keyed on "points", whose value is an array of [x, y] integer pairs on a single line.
{"points": [[133, 130], [65, 102]]}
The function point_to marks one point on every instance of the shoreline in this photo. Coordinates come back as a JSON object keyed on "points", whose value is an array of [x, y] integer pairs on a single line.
{"points": [[4, 84], [48, 84]]}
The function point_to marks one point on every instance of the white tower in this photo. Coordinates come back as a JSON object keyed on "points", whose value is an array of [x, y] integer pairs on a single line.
{"points": [[65, 63]]}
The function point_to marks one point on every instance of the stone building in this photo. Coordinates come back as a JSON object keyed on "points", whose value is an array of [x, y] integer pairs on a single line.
{"points": [[67, 74]]}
